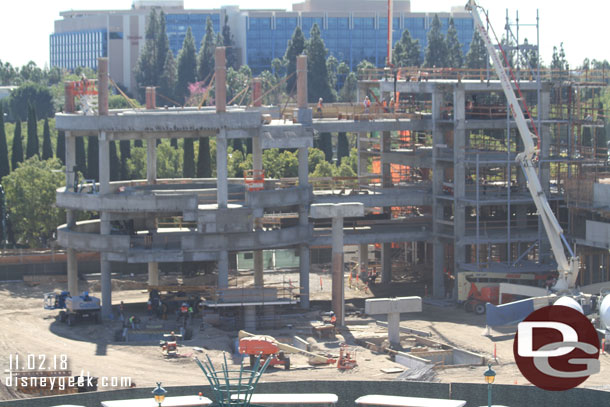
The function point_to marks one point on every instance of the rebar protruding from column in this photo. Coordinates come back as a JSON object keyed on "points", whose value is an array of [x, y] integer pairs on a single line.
{"points": [[302, 81], [221, 79]]}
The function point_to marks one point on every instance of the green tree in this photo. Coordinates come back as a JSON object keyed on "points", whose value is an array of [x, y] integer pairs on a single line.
{"points": [[558, 61], [331, 67], [146, 67], [161, 48], [187, 66], [125, 150], [318, 83], [174, 143], [344, 170], [476, 57], [350, 88], [30, 198], [17, 153], [168, 78], [31, 94], [93, 158], [205, 58], [436, 50], [169, 161], [32, 142], [454, 48], [530, 53], [188, 169], [324, 143], [295, 47], [406, 51], [323, 169], [204, 165], [115, 163], [4, 166], [60, 151], [81, 155], [229, 43], [47, 148], [342, 147], [315, 157]]}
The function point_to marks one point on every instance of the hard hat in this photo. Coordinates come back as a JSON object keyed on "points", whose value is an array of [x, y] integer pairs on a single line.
{"points": [[172, 332]]}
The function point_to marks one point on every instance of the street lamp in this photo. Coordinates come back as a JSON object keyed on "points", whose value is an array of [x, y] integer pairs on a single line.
{"points": [[159, 394], [490, 376]]}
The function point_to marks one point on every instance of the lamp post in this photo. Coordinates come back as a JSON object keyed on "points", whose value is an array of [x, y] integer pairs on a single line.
{"points": [[490, 376], [159, 394]]}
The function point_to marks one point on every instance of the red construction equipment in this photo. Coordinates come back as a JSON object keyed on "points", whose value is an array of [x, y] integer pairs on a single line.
{"points": [[346, 361]]}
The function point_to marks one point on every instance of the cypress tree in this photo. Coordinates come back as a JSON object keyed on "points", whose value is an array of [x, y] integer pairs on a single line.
{"points": [[318, 83], [454, 48], [61, 146], [229, 43], [125, 149], [187, 67], [161, 47], [238, 144], [174, 143], [205, 58], [47, 148], [342, 147], [4, 166], [324, 143], [146, 67], [115, 164], [32, 144], [81, 156], [349, 89], [93, 158], [295, 47], [204, 167], [168, 77], [188, 167], [476, 57], [436, 51], [138, 143], [17, 155]]}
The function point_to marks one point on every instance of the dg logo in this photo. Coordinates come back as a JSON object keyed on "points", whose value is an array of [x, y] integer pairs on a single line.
{"points": [[556, 348]]}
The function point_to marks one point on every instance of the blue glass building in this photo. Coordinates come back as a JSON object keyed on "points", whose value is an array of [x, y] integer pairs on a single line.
{"points": [[177, 24], [78, 48]]}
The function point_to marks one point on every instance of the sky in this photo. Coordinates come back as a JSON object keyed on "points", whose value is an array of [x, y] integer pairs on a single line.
{"points": [[25, 25]]}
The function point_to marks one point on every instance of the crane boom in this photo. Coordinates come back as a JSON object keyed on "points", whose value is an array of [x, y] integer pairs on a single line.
{"points": [[568, 268]]}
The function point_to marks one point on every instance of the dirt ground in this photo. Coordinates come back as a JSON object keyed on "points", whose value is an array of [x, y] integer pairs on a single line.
{"points": [[30, 330]]}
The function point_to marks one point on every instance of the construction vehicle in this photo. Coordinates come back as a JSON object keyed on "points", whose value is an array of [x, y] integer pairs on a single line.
{"points": [[269, 347], [74, 309], [169, 346], [567, 268]]}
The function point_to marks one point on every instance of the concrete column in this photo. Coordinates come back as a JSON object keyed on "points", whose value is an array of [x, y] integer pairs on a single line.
{"points": [[257, 91], [362, 161], [221, 79], [153, 273], [250, 318], [105, 270], [72, 272], [102, 86], [70, 161], [104, 163], [68, 98], [257, 165], [151, 97], [72, 263], [222, 190], [338, 289], [438, 259], [363, 252], [303, 166], [386, 262], [304, 264], [459, 175], [394, 328], [223, 269], [386, 168], [302, 81], [151, 161]]}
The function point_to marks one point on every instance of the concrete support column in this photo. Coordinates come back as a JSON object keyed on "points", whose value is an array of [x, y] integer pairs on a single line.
{"points": [[105, 271], [386, 263], [386, 168], [394, 328], [459, 175], [72, 272], [257, 91], [104, 163], [151, 161], [338, 289], [362, 161], [70, 161], [303, 166], [302, 81], [304, 261], [250, 318], [304, 264], [257, 165], [102, 86], [259, 280], [221, 79], [222, 190], [68, 98], [438, 256], [153, 273], [363, 252], [223, 269], [151, 97]]}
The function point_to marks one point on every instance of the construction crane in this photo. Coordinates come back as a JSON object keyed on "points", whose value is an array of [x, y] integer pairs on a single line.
{"points": [[567, 268]]}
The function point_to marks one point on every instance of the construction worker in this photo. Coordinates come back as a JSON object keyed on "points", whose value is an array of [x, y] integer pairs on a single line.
{"points": [[385, 106], [367, 104], [172, 337], [320, 106], [333, 319], [392, 107], [122, 311]]}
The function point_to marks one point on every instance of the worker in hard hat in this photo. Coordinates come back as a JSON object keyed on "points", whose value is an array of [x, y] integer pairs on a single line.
{"points": [[320, 106], [333, 318]]}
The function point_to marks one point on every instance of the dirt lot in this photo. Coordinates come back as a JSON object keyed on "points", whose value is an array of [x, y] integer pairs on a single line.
{"points": [[30, 330]]}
